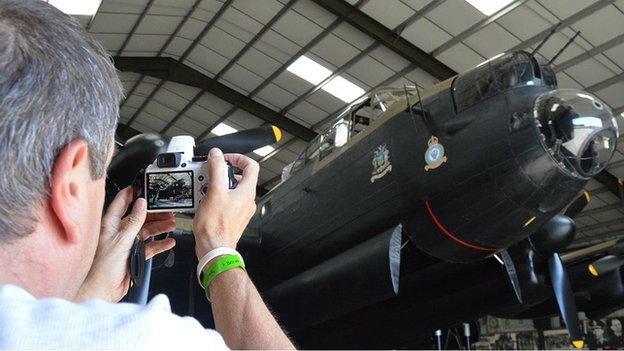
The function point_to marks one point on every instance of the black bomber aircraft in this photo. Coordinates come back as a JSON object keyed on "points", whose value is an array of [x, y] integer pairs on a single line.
{"points": [[392, 223]]}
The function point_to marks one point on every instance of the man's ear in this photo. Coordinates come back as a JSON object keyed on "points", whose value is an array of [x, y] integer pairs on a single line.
{"points": [[68, 185]]}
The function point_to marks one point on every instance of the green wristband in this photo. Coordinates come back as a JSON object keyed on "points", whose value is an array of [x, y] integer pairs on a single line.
{"points": [[222, 264]]}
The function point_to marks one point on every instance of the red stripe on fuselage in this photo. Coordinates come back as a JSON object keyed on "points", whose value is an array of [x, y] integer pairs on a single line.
{"points": [[450, 235]]}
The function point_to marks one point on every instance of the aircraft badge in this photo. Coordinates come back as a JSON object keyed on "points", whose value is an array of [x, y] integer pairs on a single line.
{"points": [[381, 162], [434, 156]]}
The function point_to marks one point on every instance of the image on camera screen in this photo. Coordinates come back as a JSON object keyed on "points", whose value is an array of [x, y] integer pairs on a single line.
{"points": [[169, 190]]}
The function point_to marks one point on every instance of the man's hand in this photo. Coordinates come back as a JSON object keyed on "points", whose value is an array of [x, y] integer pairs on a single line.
{"points": [[109, 277], [239, 313], [224, 213]]}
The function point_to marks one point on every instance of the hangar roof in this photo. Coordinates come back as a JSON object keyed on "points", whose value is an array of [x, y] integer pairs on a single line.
{"points": [[248, 45]]}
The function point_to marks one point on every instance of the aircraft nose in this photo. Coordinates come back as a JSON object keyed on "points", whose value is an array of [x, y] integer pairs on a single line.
{"points": [[577, 129]]}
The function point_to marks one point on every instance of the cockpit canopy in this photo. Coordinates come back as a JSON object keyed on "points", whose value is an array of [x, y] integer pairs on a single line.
{"points": [[320, 147], [498, 75], [351, 122]]}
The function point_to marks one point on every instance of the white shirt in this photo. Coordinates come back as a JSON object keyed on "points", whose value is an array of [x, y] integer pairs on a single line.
{"points": [[28, 323]]}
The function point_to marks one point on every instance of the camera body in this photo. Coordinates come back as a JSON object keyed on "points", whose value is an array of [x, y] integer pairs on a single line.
{"points": [[177, 180]]}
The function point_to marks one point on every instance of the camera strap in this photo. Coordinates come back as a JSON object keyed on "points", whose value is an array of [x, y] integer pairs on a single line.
{"points": [[137, 261]]}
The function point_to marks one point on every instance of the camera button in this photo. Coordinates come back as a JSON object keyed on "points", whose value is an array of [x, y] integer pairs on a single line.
{"points": [[200, 178], [204, 190]]}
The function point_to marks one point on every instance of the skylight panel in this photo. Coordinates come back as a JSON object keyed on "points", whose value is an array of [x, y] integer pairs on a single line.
{"points": [[77, 7], [489, 7], [265, 150], [309, 70], [223, 129], [315, 73], [343, 89]]}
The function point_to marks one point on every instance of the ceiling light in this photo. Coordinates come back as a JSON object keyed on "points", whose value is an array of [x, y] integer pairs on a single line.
{"points": [[622, 114], [309, 70], [343, 89], [489, 7], [315, 73], [265, 150], [223, 129], [77, 7]]}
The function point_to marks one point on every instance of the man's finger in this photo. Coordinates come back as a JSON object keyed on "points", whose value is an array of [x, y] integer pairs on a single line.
{"points": [[159, 216], [134, 221], [250, 170], [156, 247], [157, 227], [118, 207], [217, 176]]}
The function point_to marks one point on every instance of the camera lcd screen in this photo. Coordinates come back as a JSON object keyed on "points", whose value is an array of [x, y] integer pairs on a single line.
{"points": [[169, 190]]}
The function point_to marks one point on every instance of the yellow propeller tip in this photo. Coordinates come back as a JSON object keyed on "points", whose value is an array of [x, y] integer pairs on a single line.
{"points": [[278, 133], [529, 221], [593, 270], [578, 343], [587, 196]]}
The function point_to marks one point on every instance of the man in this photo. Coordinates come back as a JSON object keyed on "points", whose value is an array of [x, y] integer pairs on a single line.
{"points": [[63, 267]]}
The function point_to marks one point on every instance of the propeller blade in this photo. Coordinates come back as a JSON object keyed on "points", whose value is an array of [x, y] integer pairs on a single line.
{"points": [[241, 142], [565, 299], [605, 265], [512, 274], [137, 153], [578, 205]]}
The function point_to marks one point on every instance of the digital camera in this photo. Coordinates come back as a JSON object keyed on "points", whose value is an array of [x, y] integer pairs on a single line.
{"points": [[177, 180]]}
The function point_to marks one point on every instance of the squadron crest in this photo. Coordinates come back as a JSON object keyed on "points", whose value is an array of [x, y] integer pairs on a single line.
{"points": [[434, 156], [381, 162]]}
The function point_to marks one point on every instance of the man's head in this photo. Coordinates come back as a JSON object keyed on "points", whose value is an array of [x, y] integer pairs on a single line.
{"points": [[59, 106]]}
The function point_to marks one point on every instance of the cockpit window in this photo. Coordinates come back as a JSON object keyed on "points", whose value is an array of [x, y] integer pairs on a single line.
{"points": [[321, 146], [492, 78]]}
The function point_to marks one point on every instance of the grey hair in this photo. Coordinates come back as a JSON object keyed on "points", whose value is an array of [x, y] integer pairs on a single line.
{"points": [[57, 85]]}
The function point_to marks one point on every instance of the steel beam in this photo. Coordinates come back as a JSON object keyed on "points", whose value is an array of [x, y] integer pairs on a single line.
{"points": [[611, 182], [564, 23], [278, 149], [169, 69], [387, 37], [224, 70], [280, 70], [134, 27], [417, 15], [185, 54], [616, 164], [164, 47], [334, 74], [598, 210], [605, 83], [590, 53], [354, 60], [147, 100], [591, 227], [477, 27]]}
